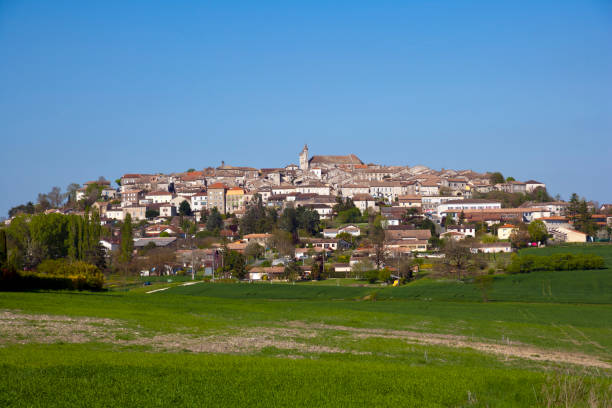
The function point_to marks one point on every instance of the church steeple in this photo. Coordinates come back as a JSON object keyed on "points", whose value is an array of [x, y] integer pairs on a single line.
{"points": [[304, 158]]}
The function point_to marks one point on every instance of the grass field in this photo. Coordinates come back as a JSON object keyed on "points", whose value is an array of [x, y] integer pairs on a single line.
{"points": [[425, 344]]}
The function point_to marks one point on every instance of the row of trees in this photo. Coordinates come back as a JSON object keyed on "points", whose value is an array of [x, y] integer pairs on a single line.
{"points": [[56, 198], [33, 239]]}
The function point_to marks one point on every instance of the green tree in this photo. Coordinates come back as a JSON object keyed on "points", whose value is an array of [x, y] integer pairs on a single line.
{"points": [[537, 231], [377, 237], [350, 215], [496, 178], [151, 213], [3, 249], [185, 208], [214, 221], [127, 242], [234, 264]]}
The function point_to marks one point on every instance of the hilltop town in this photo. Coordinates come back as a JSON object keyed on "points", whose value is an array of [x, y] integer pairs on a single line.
{"points": [[341, 199]]}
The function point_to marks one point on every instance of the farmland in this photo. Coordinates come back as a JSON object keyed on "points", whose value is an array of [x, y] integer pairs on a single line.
{"points": [[542, 339]]}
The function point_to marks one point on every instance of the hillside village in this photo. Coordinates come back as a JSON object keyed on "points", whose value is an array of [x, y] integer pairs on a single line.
{"points": [[332, 215]]}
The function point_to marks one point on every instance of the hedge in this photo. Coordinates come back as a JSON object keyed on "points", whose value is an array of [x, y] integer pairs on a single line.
{"points": [[55, 275], [556, 262]]}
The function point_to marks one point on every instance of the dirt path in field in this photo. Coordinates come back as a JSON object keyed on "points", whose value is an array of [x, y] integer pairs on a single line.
{"points": [[21, 328], [507, 349]]}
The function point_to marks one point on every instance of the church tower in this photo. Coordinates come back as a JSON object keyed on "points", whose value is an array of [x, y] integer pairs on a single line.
{"points": [[304, 159]]}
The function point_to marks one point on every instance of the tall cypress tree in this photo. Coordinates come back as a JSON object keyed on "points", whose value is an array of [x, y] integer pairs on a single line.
{"points": [[3, 250], [72, 238], [127, 243]]}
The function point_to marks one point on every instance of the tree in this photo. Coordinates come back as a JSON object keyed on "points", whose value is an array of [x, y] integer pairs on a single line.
{"points": [[308, 220], [253, 250], [214, 221], [377, 237], [496, 178], [71, 191], [234, 264], [55, 197], [151, 213], [520, 238], [292, 271], [190, 170], [350, 215], [43, 202], [457, 256], [282, 241], [288, 221], [509, 179], [359, 269], [537, 231], [127, 242], [28, 208], [185, 208], [3, 249]]}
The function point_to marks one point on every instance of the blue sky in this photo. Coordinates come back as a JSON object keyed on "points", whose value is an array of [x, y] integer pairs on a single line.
{"points": [[109, 87]]}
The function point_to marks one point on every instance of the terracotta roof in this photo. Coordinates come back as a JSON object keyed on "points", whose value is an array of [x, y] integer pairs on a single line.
{"points": [[217, 186]]}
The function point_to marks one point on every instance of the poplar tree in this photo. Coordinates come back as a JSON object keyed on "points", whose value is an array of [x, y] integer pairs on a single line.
{"points": [[127, 243]]}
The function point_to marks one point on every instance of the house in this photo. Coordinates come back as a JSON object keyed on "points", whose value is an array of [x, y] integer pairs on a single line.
{"points": [[386, 190], [350, 190], [160, 242], [156, 197], [410, 201], [261, 239], [467, 230], [504, 231], [513, 187], [114, 213], [216, 197], [491, 248], [270, 272], [531, 185], [238, 246], [429, 188], [364, 202], [167, 210], [325, 211], [199, 201], [326, 243], [563, 234], [302, 253], [155, 230], [406, 240], [234, 200], [467, 204], [137, 212], [342, 267], [131, 196], [110, 245], [454, 235], [349, 229]]}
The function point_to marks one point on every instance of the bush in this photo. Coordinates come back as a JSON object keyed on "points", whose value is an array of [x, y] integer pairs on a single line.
{"points": [[371, 276], [556, 262], [57, 274]]}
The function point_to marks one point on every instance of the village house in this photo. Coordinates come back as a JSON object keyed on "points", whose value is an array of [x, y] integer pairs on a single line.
{"points": [[364, 202], [216, 197], [410, 201], [199, 201], [504, 231], [467, 230]]}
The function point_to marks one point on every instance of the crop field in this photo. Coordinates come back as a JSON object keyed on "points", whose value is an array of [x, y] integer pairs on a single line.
{"points": [[426, 344]]}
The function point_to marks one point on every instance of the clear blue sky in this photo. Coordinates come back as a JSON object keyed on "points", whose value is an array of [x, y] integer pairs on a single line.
{"points": [[104, 88]]}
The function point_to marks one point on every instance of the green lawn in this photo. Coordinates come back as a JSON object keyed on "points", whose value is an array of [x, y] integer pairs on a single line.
{"points": [[425, 344]]}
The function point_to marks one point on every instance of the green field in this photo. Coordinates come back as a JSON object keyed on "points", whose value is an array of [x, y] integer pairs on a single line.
{"points": [[429, 343]]}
